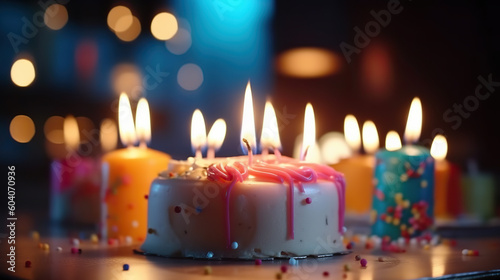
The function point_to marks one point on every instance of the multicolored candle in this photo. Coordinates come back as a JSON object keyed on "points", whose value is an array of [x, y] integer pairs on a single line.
{"points": [[127, 175], [403, 201]]}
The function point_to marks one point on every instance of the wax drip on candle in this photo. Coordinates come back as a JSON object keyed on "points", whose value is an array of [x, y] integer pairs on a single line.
{"points": [[250, 154]]}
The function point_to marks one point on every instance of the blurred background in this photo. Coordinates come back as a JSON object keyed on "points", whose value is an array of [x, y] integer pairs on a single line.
{"points": [[367, 58]]}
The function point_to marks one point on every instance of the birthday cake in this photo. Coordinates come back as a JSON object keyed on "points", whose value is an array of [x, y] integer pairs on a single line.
{"points": [[268, 207]]}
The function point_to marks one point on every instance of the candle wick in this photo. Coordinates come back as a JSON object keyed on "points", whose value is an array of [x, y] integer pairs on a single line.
{"points": [[265, 152], [250, 154], [142, 145], [303, 157]]}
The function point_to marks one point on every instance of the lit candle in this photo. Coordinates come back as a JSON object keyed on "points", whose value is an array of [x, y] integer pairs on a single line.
{"points": [[392, 141], [75, 180], [270, 137], [310, 150], [216, 137], [108, 135], [198, 133], [255, 195], [447, 190], [403, 201], [248, 122], [439, 149], [358, 169], [127, 175]]}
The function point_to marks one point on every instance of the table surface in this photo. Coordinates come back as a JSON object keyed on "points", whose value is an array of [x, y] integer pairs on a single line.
{"points": [[102, 261]]}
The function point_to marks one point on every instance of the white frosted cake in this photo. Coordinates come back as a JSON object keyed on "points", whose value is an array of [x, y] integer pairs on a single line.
{"points": [[231, 208]]}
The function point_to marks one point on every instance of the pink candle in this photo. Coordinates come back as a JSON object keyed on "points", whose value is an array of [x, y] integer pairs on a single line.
{"points": [[74, 182]]}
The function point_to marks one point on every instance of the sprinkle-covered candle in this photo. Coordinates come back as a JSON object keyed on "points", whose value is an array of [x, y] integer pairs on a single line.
{"points": [[403, 201]]}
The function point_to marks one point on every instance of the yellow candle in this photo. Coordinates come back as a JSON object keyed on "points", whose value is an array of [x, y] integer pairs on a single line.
{"points": [[127, 176], [358, 169]]}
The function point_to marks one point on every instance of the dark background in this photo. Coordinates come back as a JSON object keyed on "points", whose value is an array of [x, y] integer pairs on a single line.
{"points": [[432, 50]]}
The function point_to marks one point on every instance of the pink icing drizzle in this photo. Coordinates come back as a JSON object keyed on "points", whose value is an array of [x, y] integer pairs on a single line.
{"points": [[286, 170]]}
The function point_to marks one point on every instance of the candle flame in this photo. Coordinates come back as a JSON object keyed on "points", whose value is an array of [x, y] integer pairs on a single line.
{"points": [[71, 133], [217, 134], [108, 135], [414, 122], [143, 121], [198, 131], [126, 121], [392, 141], [309, 137], [370, 137], [439, 147], [248, 123], [270, 138], [351, 132], [333, 147]]}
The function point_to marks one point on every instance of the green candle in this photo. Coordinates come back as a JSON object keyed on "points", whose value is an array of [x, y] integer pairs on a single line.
{"points": [[479, 193]]}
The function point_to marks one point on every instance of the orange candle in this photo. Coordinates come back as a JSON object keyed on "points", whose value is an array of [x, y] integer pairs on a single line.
{"points": [[127, 175], [358, 169], [439, 149], [447, 191]]}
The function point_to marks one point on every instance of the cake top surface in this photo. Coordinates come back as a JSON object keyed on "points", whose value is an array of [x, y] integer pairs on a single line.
{"points": [[280, 169]]}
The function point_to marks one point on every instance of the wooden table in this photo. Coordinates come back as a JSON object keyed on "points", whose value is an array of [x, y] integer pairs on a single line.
{"points": [[103, 261]]}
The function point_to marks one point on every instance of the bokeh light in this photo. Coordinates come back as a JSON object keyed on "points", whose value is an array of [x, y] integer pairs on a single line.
{"points": [[22, 128], [71, 133], [86, 55], [334, 147], [190, 76], [22, 72], [108, 135], [180, 43], [55, 16], [164, 26], [120, 19], [53, 129], [308, 63], [377, 70], [132, 32], [87, 130], [127, 78]]}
